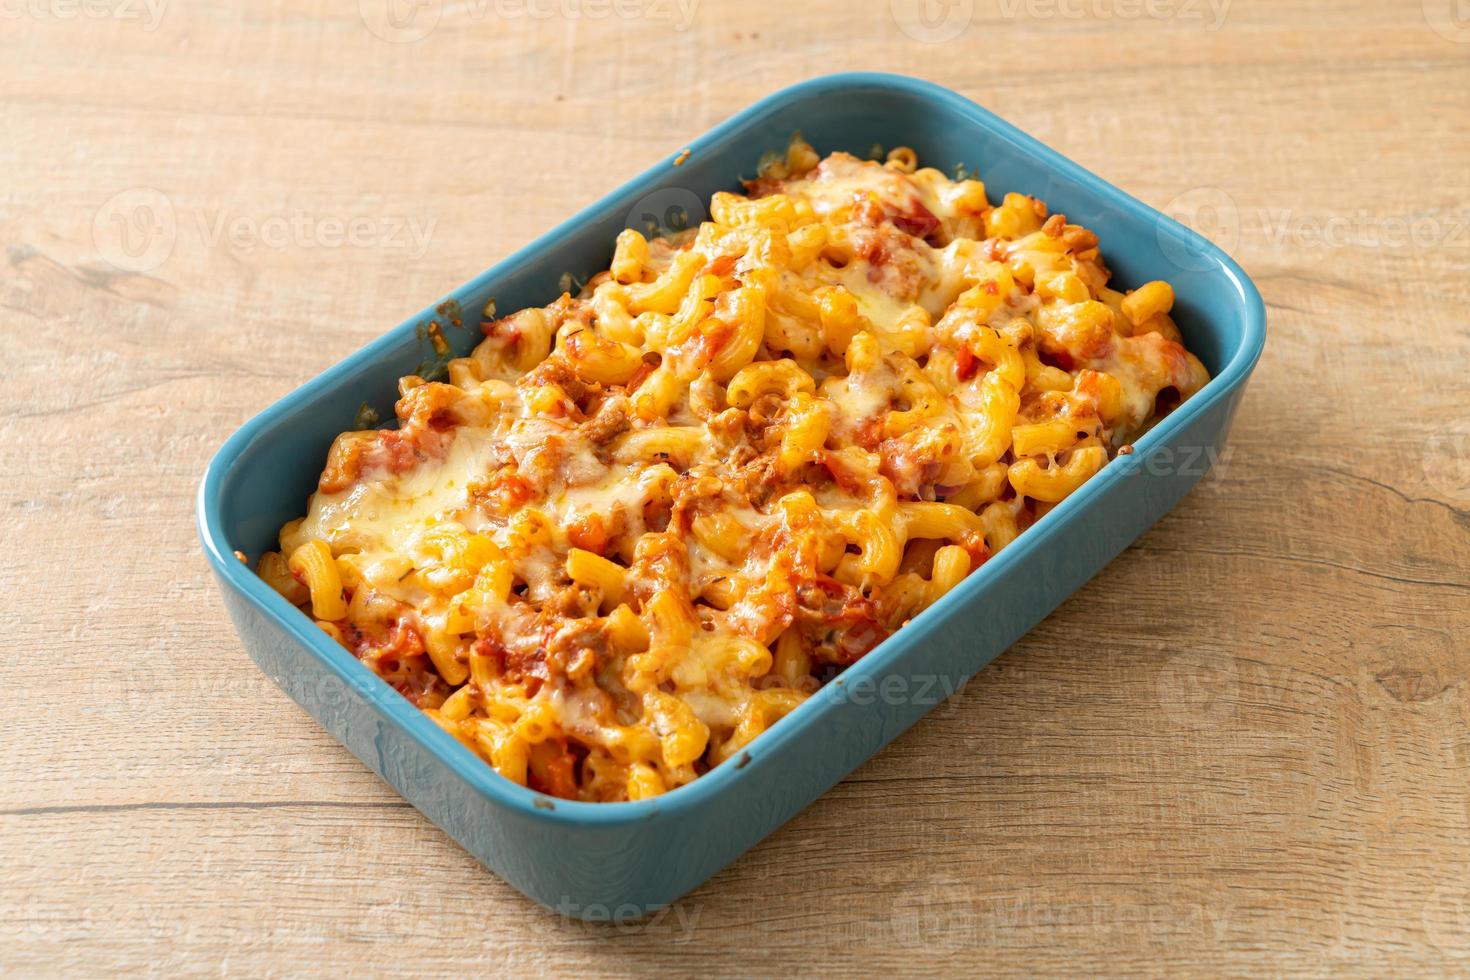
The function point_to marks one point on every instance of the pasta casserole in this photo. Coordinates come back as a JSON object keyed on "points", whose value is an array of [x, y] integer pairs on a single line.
{"points": [[637, 526]]}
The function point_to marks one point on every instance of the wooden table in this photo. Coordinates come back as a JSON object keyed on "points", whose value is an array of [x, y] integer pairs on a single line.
{"points": [[1243, 746]]}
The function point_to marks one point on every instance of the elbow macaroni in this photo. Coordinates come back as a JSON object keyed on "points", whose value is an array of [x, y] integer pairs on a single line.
{"points": [[640, 525]]}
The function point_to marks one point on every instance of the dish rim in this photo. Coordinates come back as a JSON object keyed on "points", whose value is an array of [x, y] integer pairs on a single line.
{"points": [[811, 714]]}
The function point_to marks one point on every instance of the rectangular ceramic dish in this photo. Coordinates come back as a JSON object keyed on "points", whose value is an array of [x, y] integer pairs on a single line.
{"points": [[621, 859]]}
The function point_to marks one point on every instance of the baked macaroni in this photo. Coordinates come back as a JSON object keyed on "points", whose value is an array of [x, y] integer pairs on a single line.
{"points": [[636, 527]]}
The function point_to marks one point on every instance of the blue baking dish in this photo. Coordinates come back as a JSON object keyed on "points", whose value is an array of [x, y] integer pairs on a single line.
{"points": [[622, 860]]}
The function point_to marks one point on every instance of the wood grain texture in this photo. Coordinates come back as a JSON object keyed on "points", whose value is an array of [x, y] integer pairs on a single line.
{"points": [[1244, 747]]}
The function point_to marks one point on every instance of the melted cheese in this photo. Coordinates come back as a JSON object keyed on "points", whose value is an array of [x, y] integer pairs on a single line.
{"points": [[709, 531], [382, 513]]}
